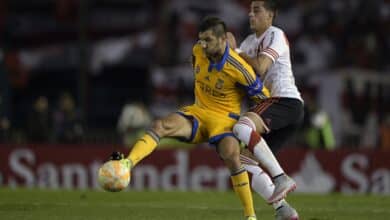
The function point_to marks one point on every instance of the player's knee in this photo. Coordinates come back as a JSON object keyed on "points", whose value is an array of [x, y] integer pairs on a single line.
{"points": [[231, 159], [160, 128], [256, 122], [229, 152], [243, 128], [227, 155]]}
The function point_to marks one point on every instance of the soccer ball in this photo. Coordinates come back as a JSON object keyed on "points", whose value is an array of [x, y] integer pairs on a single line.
{"points": [[114, 175]]}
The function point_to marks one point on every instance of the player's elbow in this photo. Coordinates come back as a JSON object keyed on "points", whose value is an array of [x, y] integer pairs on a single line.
{"points": [[262, 64]]}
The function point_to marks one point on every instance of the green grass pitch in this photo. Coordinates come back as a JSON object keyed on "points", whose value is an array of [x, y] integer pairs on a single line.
{"points": [[96, 205]]}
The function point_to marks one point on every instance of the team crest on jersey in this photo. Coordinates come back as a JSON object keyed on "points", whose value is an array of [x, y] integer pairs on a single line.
{"points": [[197, 69], [219, 84]]}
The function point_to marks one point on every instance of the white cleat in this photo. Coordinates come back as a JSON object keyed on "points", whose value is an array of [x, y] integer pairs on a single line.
{"points": [[286, 212], [251, 218], [283, 185]]}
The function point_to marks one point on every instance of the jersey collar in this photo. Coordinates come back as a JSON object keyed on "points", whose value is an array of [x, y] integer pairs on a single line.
{"points": [[219, 66]]}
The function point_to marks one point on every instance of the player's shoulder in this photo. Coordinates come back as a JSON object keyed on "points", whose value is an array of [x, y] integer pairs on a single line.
{"points": [[276, 28], [249, 38], [273, 30], [236, 62], [235, 57]]}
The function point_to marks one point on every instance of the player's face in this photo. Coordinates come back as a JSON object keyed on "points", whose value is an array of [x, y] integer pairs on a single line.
{"points": [[259, 17], [212, 45]]}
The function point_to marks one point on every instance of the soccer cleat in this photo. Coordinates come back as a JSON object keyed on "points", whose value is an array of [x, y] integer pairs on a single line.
{"points": [[283, 185], [286, 212], [116, 156], [251, 218], [120, 156]]}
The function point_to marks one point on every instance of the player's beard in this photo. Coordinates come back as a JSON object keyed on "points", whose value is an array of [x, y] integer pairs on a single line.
{"points": [[214, 55]]}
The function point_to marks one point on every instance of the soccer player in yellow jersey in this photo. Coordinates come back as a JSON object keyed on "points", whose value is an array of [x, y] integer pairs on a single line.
{"points": [[222, 79]]}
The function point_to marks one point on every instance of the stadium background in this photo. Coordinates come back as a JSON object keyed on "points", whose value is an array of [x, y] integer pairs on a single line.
{"points": [[80, 78]]}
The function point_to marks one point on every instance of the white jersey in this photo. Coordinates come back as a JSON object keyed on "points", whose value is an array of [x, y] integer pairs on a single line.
{"points": [[279, 78]]}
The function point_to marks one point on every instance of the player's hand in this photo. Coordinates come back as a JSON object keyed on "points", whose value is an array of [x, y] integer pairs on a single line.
{"points": [[231, 40]]}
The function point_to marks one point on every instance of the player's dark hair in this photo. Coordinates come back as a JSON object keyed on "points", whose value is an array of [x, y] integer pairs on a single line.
{"points": [[270, 5], [213, 23]]}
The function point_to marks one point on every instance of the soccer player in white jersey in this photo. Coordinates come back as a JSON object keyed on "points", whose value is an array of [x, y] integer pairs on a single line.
{"points": [[272, 122]]}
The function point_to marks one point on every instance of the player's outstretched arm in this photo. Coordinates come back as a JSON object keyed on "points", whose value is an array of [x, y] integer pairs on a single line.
{"points": [[260, 64]]}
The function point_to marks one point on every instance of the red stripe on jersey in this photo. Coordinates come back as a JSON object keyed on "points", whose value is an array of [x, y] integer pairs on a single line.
{"points": [[271, 52], [269, 48]]}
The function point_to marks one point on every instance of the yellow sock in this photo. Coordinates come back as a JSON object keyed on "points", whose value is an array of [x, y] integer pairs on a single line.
{"points": [[142, 148], [242, 188]]}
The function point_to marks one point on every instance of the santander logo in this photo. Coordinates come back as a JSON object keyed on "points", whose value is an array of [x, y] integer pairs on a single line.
{"points": [[312, 178]]}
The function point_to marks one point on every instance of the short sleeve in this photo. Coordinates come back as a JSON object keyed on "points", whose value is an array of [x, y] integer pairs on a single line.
{"points": [[275, 44]]}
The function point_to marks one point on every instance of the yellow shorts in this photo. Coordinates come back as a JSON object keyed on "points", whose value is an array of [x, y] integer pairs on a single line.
{"points": [[208, 126]]}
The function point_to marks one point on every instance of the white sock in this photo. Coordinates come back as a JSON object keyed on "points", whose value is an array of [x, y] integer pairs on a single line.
{"points": [[267, 158], [262, 183], [243, 130]]}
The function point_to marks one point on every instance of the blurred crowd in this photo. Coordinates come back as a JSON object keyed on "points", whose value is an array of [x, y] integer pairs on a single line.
{"points": [[99, 70]]}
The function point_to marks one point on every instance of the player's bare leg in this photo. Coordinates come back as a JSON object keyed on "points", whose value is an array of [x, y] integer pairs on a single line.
{"points": [[173, 125]]}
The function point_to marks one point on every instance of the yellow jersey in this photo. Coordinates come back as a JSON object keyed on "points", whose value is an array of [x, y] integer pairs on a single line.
{"points": [[221, 87]]}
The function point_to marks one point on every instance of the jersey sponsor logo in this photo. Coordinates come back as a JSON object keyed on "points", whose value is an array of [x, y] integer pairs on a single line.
{"points": [[241, 184], [210, 91]]}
